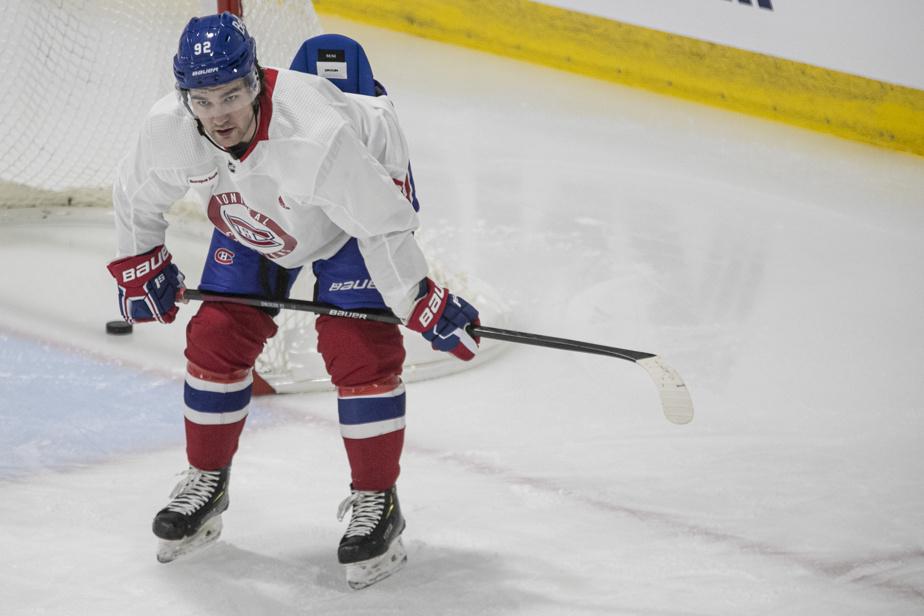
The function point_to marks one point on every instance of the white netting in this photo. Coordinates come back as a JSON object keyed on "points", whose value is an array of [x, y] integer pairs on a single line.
{"points": [[290, 362], [80, 75]]}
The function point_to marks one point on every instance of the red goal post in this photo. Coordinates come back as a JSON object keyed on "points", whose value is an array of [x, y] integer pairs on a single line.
{"points": [[233, 6]]}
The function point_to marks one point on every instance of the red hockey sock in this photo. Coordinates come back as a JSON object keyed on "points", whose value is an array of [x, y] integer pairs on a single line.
{"points": [[365, 360]]}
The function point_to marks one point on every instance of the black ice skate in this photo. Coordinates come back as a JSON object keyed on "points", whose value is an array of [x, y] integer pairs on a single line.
{"points": [[192, 519], [371, 548]]}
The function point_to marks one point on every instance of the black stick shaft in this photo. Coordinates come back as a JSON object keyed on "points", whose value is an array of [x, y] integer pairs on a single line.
{"points": [[564, 344], [494, 333], [292, 304]]}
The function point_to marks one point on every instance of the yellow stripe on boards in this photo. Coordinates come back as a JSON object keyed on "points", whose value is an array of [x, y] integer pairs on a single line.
{"points": [[825, 100]]}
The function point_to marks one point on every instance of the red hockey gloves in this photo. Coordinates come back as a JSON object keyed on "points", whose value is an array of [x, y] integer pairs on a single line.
{"points": [[148, 286], [442, 318]]}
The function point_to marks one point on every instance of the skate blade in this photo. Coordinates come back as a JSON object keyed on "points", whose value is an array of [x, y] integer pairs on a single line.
{"points": [[168, 551], [368, 572]]}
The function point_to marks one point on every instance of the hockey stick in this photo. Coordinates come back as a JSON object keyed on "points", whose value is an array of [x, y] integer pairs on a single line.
{"points": [[675, 399]]}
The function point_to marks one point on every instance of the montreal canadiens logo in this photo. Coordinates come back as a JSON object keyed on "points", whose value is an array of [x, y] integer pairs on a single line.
{"points": [[252, 234], [230, 215], [224, 256]]}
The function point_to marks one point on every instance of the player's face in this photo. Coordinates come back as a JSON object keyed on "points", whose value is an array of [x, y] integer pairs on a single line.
{"points": [[226, 111]]}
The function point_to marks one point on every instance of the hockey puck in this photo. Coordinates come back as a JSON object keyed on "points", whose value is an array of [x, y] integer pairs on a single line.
{"points": [[118, 328]]}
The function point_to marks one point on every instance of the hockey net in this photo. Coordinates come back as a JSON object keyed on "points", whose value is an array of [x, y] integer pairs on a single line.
{"points": [[81, 76]]}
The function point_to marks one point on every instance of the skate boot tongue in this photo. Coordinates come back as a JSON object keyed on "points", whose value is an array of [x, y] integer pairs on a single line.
{"points": [[367, 511]]}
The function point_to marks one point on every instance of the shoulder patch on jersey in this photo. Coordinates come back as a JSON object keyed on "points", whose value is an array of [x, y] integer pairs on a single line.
{"points": [[208, 178]]}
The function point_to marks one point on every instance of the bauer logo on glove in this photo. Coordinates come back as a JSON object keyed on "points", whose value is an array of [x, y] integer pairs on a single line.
{"points": [[442, 318], [153, 264], [148, 286], [432, 307]]}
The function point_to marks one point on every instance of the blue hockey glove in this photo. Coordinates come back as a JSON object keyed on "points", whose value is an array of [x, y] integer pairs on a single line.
{"points": [[148, 286], [442, 318]]}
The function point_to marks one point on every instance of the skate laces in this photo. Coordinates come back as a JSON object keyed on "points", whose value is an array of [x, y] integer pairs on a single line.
{"points": [[194, 491], [367, 511]]}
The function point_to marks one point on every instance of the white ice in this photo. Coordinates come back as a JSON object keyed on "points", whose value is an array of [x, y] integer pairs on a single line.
{"points": [[778, 270]]}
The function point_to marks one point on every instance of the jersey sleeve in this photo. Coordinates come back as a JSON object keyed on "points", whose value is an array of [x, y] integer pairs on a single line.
{"points": [[141, 195], [374, 121], [359, 195], [378, 128]]}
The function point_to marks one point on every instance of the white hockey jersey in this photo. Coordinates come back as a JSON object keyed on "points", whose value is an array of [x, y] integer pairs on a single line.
{"points": [[323, 167]]}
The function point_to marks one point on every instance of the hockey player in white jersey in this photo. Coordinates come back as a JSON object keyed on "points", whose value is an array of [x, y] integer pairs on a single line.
{"points": [[292, 172]]}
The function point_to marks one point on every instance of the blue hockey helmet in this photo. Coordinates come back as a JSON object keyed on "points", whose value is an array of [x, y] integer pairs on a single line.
{"points": [[214, 50]]}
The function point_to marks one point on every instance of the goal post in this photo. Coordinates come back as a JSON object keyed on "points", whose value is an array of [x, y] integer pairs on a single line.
{"points": [[232, 6]]}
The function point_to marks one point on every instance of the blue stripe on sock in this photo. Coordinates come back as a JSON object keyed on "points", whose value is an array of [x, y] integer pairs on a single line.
{"points": [[213, 402], [354, 411]]}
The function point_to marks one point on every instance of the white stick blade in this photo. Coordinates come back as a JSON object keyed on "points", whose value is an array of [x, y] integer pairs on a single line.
{"points": [[675, 399]]}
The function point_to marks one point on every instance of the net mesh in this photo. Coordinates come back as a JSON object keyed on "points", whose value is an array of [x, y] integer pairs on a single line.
{"points": [[82, 74]]}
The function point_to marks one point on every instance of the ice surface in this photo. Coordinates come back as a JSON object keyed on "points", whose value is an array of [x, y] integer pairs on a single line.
{"points": [[777, 270]]}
